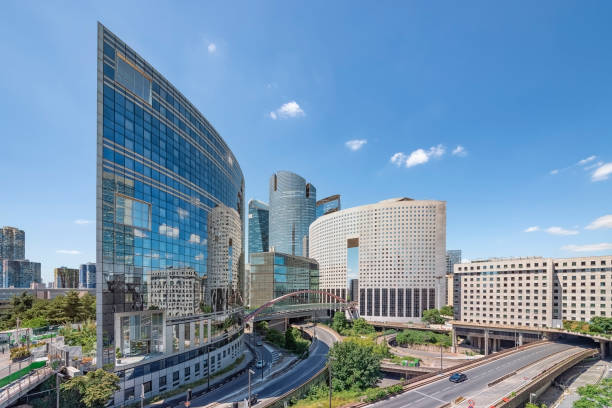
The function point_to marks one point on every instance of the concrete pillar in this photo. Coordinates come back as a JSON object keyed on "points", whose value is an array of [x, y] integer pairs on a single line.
{"points": [[602, 346], [454, 340], [209, 329], [486, 342], [520, 339]]}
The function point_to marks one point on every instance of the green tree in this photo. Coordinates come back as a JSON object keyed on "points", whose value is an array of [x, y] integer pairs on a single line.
{"points": [[432, 316], [339, 323], [73, 308], [56, 312], [290, 338], [596, 395], [361, 326], [354, 366], [88, 301], [91, 391], [600, 324], [446, 310]]}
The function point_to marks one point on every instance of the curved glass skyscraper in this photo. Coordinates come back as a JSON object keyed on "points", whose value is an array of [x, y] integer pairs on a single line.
{"points": [[259, 227], [292, 210], [166, 182]]}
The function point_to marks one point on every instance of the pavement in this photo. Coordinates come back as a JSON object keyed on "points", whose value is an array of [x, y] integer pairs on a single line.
{"points": [[276, 383], [443, 391], [578, 376]]}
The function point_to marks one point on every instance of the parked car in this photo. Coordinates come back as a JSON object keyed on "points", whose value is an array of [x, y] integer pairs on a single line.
{"points": [[260, 364], [457, 377]]}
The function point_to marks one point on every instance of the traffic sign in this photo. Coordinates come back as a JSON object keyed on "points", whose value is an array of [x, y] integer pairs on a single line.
{"points": [[471, 404]]}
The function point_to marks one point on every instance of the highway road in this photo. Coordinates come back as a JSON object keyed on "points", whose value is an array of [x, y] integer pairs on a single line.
{"points": [[443, 391], [237, 389]]}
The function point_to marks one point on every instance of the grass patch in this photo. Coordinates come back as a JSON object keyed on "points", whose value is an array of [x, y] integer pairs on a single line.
{"points": [[400, 359], [318, 396], [18, 374]]}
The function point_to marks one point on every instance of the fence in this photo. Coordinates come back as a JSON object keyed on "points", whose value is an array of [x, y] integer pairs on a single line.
{"points": [[19, 388]]}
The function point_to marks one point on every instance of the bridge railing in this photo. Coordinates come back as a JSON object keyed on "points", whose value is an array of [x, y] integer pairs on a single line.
{"points": [[17, 389]]}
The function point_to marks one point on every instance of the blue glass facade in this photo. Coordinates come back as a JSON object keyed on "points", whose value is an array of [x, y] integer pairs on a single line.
{"points": [[259, 227], [87, 275], [328, 205], [163, 172], [292, 210]]}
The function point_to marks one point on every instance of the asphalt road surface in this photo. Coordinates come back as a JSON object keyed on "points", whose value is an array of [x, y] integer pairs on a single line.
{"points": [[237, 389], [443, 391]]}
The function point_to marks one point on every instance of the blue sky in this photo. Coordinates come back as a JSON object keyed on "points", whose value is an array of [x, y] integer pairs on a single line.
{"points": [[524, 88]]}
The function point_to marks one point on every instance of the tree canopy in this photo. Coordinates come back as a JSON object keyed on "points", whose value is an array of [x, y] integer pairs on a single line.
{"points": [[596, 395], [92, 390], [354, 365], [432, 316]]}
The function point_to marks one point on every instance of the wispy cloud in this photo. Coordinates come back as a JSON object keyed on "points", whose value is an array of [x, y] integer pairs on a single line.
{"points": [[587, 160], [194, 238], [81, 221], [604, 246], [560, 231], [459, 151], [602, 172], [172, 232], [579, 163], [532, 229], [417, 157], [212, 48], [288, 110], [68, 251], [355, 144], [553, 172], [601, 222]]}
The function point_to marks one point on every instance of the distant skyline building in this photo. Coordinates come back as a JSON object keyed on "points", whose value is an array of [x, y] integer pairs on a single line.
{"points": [[259, 227], [390, 257], [19, 273], [453, 256], [170, 213], [274, 274], [12, 243], [328, 205], [65, 277], [87, 275], [292, 210]]}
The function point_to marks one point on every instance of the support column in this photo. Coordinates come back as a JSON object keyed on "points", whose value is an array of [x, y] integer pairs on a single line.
{"points": [[454, 340], [486, 342], [520, 339], [602, 346]]}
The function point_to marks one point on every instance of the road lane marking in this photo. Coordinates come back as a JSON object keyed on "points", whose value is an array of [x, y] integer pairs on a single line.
{"points": [[429, 396]]}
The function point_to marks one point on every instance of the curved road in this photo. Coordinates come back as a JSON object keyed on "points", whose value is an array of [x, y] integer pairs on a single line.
{"points": [[443, 391], [237, 389]]}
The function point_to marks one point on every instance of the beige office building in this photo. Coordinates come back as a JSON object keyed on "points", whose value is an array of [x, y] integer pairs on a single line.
{"points": [[537, 292], [390, 257]]}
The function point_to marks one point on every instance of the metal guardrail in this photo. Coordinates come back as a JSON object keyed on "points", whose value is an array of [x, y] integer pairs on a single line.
{"points": [[15, 390]]}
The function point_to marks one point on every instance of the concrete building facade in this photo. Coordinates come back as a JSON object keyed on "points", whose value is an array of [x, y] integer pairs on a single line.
{"points": [[391, 255]]}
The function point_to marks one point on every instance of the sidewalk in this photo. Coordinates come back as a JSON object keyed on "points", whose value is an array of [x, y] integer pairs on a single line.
{"points": [[578, 376], [176, 399]]}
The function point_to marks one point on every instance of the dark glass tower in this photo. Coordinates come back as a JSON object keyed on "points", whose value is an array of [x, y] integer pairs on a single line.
{"points": [[292, 210], [259, 227], [166, 181]]}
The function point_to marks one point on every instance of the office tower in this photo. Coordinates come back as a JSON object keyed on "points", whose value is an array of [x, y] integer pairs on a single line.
{"points": [[328, 205], [535, 291], [453, 256], [259, 227], [162, 170], [292, 210], [65, 277], [275, 274], [87, 275], [19, 273], [391, 255], [12, 243]]}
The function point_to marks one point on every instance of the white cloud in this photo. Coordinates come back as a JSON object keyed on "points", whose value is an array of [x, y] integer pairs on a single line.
{"points": [[81, 221], [172, 232], [601, 222], [604, 246], [532, 229], [560, 231], [182, 213], [139, 233], [585, 161], [602, 172], [199, 257], [194, 238], [288, 110], [553, 172], [68, 251], [417, 157], [459, 151], [355, 144], [212, 48]]}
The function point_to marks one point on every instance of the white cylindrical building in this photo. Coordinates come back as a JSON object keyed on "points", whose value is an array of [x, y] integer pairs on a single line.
{"points": [[389, 256]]}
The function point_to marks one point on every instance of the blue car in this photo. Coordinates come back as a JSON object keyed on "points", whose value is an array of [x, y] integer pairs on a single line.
{"points": [[457, 377]]}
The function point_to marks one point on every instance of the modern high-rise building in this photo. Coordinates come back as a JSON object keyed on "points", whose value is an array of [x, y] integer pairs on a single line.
{"points": [[166, 185], [453, 256], [12, 243], [292, 210], [274, 274], [87, 275], [65, 277], [328, 205], [390, 257], [19, 273], [259, 227]]}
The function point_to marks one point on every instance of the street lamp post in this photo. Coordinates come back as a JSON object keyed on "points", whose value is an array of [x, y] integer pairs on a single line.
{"points": [[249, 400], [208, 355], [331, 359]]}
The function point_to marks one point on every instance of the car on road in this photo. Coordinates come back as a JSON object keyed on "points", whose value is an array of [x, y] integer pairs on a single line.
{"points": [[260, 364], [457, 377]]}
